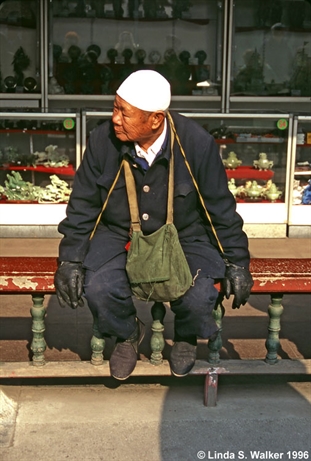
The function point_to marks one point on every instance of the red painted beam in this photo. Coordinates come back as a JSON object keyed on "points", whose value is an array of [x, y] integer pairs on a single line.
{"points": [[271, 275]]}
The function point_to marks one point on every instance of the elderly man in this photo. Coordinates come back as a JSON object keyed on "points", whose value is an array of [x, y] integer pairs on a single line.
{"points": [[95, 268]]}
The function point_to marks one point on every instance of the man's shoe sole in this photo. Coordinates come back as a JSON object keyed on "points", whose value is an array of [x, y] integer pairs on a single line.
{"points": [[180, 376]]}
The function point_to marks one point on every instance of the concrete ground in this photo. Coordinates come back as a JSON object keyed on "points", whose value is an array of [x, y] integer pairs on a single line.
{"points": [[156, 419]]}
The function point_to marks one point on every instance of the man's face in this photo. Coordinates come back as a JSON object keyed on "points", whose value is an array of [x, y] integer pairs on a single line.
{"points": [[130, 123]]}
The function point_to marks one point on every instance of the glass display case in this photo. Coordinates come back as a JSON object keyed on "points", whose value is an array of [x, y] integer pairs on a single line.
{"points": [[255, 149], [39, 154], [90, 119], [21, 50], [228, 57], [270, 50], [93, 46], [300, 178]]}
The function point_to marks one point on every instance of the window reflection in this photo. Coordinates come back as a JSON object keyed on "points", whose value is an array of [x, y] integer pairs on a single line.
{"points": [[271, 48], [94, 46], [19, 46]]}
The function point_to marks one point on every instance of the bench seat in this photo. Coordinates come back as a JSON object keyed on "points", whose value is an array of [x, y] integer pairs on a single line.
{"points": [[271, 275], [276, 277]]}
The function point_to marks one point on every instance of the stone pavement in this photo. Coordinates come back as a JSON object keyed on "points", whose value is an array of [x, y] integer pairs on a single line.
{"points": [[164, 421], [157, 419]]}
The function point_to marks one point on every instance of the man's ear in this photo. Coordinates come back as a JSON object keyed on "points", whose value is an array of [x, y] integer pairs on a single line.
{"points": [[157, 119]]}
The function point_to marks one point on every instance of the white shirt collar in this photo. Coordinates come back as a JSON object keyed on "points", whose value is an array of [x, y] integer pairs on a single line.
{"points": [[154, 149]]}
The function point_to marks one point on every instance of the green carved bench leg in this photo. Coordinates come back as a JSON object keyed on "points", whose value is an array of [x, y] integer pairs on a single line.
{"points": [[214, 345], [275, 311], [157, 342], [38, 344], [97, 345]]}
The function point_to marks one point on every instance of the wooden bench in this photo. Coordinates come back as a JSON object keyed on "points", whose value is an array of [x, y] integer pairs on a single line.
{"points": [[276, 277]]}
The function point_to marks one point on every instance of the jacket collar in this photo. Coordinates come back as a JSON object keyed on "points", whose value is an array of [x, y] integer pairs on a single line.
{"points": [[127, 148]]}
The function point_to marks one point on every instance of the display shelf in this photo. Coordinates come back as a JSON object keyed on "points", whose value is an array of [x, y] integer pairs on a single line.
{"points": [[302, 173], [22, 22], [61, 171], [178, 75], [256, 201], [10, 97], [198, 21], [259, 139], [31, 131], [268, 29], [224, 141], [249, 172], [5, 201]]}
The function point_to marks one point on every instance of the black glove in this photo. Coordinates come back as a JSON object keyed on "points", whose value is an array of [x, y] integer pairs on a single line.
{"points": [[238, 281], [68, 280]]}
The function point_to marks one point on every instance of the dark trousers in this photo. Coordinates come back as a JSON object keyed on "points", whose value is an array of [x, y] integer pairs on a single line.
{"points": [[109, 297]]}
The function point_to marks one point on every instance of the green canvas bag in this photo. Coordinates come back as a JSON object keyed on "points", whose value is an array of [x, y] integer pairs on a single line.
{"points": [[156, 264]]}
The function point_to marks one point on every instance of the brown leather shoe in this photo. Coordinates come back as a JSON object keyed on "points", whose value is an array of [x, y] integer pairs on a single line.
{"points": [[124, 356], [182, 358]]}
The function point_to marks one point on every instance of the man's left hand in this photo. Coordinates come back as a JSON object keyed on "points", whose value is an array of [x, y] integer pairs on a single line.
{"points": [[237, 281]]}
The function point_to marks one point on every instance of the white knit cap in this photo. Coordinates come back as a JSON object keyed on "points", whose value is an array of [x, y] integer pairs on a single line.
{"points": [[147, 90]]}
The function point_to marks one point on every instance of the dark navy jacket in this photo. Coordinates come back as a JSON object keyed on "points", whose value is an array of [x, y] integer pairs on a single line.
{"points": [[97, 172]]}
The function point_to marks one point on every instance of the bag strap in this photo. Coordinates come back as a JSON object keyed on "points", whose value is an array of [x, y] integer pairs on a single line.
{"points": [[170, 195], [106, 201], [132, 196], [173, 129]]}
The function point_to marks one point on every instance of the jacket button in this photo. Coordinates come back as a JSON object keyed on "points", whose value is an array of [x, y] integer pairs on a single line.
{"points": [[146, 188], [145, 216]]}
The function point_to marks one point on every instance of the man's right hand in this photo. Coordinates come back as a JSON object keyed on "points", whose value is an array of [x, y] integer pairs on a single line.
{"points": [[68, 280]]}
